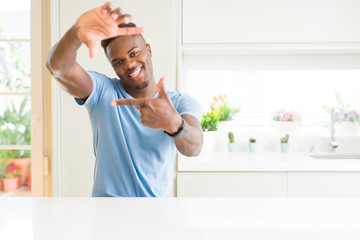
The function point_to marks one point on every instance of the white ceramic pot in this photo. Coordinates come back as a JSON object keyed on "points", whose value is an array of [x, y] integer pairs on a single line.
{"points": [[209, 142], [347, 129], [232, 147]]}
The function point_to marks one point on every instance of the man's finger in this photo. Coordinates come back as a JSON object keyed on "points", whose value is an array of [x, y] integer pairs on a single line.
{"points": [[106, 7], [130, 31], [92, 48], [161, 88], [129, 102], [116, 13]]}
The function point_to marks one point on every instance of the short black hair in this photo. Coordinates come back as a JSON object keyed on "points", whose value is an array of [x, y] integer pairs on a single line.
{"points": [[105, 42]]}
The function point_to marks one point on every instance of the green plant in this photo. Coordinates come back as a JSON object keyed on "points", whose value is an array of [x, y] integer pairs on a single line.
{"points": [[231, 137], [15, 130], [210, 120], [285, 139], [252, 140], [226, 112]]}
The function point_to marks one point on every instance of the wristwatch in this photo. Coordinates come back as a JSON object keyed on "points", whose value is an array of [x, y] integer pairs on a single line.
{"points": [[180, 133]]}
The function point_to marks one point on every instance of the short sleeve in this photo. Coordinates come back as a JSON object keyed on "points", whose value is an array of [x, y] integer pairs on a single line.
{"points": [[99, 81], [186, 104]]}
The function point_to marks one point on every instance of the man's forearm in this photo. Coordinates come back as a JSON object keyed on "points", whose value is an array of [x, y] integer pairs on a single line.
{"points": [[63, 55], [191, 143]]}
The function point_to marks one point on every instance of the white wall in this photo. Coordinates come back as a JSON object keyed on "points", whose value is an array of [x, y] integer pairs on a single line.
{"points": [[73, 158]]}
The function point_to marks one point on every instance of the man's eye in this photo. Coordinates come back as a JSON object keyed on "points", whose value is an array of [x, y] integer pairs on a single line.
{"points": [[134, 54], [118, 63]]}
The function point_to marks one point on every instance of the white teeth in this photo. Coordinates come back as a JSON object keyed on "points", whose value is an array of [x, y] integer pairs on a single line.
{"points": [[136, 72]]}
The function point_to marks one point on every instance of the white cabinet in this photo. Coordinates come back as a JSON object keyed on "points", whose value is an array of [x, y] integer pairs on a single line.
{"points": [[231, 184], [270, 21], [323, 184], [268, 184]]}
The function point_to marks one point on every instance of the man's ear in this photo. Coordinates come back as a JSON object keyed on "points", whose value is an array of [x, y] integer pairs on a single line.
{"points": [[149, 49]]}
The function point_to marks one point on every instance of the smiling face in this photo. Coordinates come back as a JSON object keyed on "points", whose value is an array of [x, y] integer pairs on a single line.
{"points": [[130, 57]]}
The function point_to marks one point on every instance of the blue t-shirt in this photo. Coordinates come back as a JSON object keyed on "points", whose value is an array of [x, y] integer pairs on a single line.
{"points": [[132, 160]]}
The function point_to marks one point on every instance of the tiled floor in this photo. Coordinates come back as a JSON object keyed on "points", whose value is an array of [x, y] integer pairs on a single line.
{"points": [[21, 192]]}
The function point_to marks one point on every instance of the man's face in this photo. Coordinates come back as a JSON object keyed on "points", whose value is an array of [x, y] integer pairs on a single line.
{"points": [[130, 57]]}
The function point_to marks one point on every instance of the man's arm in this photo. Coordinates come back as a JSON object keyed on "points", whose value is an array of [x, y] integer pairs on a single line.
{"points": [[191, 143], [93, 26], [159, 113], [62, 65]]}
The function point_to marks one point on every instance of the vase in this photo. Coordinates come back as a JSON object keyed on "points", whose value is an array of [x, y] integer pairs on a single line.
{"points": [[209, 142], [232, 147], [23, 165], [286, 127], [347, 129], [252, 147], [284, 147], [11, 184]]}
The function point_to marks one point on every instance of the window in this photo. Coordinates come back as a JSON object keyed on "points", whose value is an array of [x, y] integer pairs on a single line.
{"points": [[260, 85], [15, 82]]}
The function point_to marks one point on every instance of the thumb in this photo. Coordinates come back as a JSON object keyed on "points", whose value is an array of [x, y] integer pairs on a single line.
{"points": [[92, 48], [161, 88]]}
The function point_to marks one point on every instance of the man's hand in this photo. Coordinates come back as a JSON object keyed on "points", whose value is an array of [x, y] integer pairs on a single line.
{"points": [[101, 23], [157, 113]]}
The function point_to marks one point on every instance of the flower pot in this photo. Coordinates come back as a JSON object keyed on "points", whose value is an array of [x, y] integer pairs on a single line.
{"points": [[29, 180], [284, 147], [1, 185], [209, 142], [11, 184], [23, 165], [286, 127], [232, 147], [252, 147], [347, 128]]}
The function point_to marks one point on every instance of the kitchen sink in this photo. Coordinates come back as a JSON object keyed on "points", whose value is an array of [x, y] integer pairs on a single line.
{"points": [[334, 155]]}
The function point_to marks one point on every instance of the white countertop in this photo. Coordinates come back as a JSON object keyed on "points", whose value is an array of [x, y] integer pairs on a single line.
{"points": [[179, 218], [263, 161]]}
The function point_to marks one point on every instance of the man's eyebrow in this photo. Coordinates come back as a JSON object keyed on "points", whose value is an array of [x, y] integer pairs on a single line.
{"points": [[132, 49], [115, 59]]}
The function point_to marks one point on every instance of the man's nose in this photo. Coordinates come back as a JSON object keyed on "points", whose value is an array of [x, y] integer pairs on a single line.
{"points": [[130, 64]]}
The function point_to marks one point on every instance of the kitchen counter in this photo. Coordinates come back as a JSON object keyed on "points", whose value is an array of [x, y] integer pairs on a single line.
{"points": [[180, 218], [263, 161]]}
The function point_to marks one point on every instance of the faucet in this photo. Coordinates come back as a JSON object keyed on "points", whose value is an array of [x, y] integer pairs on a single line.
{"points": [[333, 143]]}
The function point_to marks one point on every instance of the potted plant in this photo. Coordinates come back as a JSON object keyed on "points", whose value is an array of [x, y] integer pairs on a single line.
{"points": [[11, 179], [231, 144], [286, 121], [252, 145], [209, 123], [284, 144], [15, 130], [225, 110]]}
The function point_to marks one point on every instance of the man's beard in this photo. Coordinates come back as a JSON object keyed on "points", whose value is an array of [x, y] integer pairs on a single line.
{"points": [[145, 84]]}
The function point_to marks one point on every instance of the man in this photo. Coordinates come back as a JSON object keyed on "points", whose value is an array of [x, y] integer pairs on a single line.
{"points": [[137, 125]]}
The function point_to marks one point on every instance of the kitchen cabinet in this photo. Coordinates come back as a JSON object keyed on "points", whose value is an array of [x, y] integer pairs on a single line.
{"points": [[231, 184], [323, 184], [267, 174]]}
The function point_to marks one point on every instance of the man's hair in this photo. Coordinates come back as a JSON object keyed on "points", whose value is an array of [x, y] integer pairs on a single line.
{"points": [[105, 42]]}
